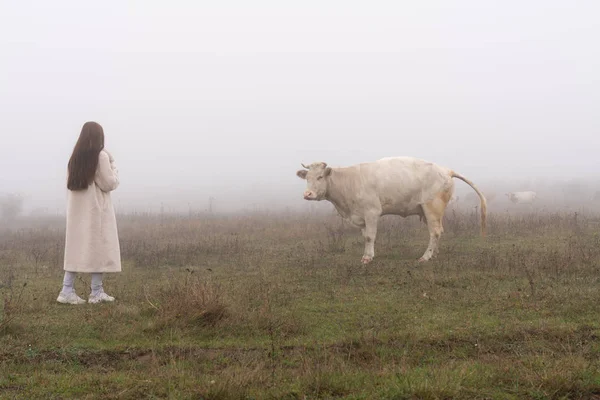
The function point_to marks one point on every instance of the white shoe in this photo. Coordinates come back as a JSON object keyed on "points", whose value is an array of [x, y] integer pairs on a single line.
{"points": [[100, 298], [69, 298]]}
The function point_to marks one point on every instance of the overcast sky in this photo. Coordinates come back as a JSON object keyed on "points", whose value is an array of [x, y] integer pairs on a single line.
{"points": [[205, 97]]}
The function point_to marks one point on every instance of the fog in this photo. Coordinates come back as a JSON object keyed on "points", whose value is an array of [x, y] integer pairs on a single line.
{"points": [[227, 98]]}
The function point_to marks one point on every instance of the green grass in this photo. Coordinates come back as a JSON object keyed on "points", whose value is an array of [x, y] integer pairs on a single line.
{"points": [[279, 307]]}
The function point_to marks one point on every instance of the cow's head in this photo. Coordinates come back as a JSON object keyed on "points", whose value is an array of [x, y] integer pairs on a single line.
{"points": [[316, 180]]}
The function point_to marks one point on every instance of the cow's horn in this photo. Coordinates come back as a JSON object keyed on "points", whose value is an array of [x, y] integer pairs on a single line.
{"points": [[304, 165]]}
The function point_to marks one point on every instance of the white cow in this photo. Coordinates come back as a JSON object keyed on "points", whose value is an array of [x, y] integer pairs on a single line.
{"points": [[395, 185], [527, 197]]}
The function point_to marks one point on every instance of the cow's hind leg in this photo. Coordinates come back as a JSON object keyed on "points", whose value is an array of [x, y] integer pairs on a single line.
{"points": [[434, 213]]}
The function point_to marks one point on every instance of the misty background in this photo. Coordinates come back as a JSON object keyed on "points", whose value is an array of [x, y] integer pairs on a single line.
{"points": [[227, 98]]}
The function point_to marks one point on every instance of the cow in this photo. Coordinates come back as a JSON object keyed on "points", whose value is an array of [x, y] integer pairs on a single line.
{"points": [[403, 186], [527, 197]]}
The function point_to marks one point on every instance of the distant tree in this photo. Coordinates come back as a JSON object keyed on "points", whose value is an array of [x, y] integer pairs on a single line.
{"points": [[211, 204], [11, 205]]}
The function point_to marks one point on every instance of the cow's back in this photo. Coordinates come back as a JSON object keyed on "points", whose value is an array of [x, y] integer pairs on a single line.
{"points": [[402, 184]]}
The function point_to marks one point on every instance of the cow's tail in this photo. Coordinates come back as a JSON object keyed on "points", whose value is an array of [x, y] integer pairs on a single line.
{"points": [[481, 198]]}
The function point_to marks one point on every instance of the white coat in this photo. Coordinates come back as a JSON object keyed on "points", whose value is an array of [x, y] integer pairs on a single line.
{"points": [[92, 241]]}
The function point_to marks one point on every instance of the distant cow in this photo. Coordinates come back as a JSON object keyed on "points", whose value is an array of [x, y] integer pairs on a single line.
{"points": [[391, 186], [527, 197]]}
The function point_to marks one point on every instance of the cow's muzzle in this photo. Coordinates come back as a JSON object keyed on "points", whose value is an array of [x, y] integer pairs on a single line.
{"points": [[309, 196]]}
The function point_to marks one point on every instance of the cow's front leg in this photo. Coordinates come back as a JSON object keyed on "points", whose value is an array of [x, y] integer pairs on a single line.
{"points": [[369, 233]]}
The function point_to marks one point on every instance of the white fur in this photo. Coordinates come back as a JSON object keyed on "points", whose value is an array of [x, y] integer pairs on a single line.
{"points": [[527, 197], [393, 185]]}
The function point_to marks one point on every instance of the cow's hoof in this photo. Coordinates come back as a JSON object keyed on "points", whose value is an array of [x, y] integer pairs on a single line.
{"points": [[422, 259], [366, 259]]}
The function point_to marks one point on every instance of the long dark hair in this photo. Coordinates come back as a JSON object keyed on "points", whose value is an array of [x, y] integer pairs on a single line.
{"points": [[84, 159]]}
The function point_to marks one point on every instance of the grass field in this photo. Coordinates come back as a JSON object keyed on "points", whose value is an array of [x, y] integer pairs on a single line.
{"points": [[279, 307]]}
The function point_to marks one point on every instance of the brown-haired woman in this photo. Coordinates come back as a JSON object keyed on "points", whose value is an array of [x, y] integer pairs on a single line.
{"points": [[92, 242]]}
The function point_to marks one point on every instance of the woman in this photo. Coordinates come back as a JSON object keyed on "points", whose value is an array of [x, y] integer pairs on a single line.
{"points": [[92, 242]]}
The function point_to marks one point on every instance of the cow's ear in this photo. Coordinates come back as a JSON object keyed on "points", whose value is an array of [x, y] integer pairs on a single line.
{"points": [[327, 171], [301, 174]]}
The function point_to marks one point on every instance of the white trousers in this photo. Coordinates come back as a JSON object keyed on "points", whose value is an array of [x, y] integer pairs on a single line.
{"points": [[69, 280]]}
